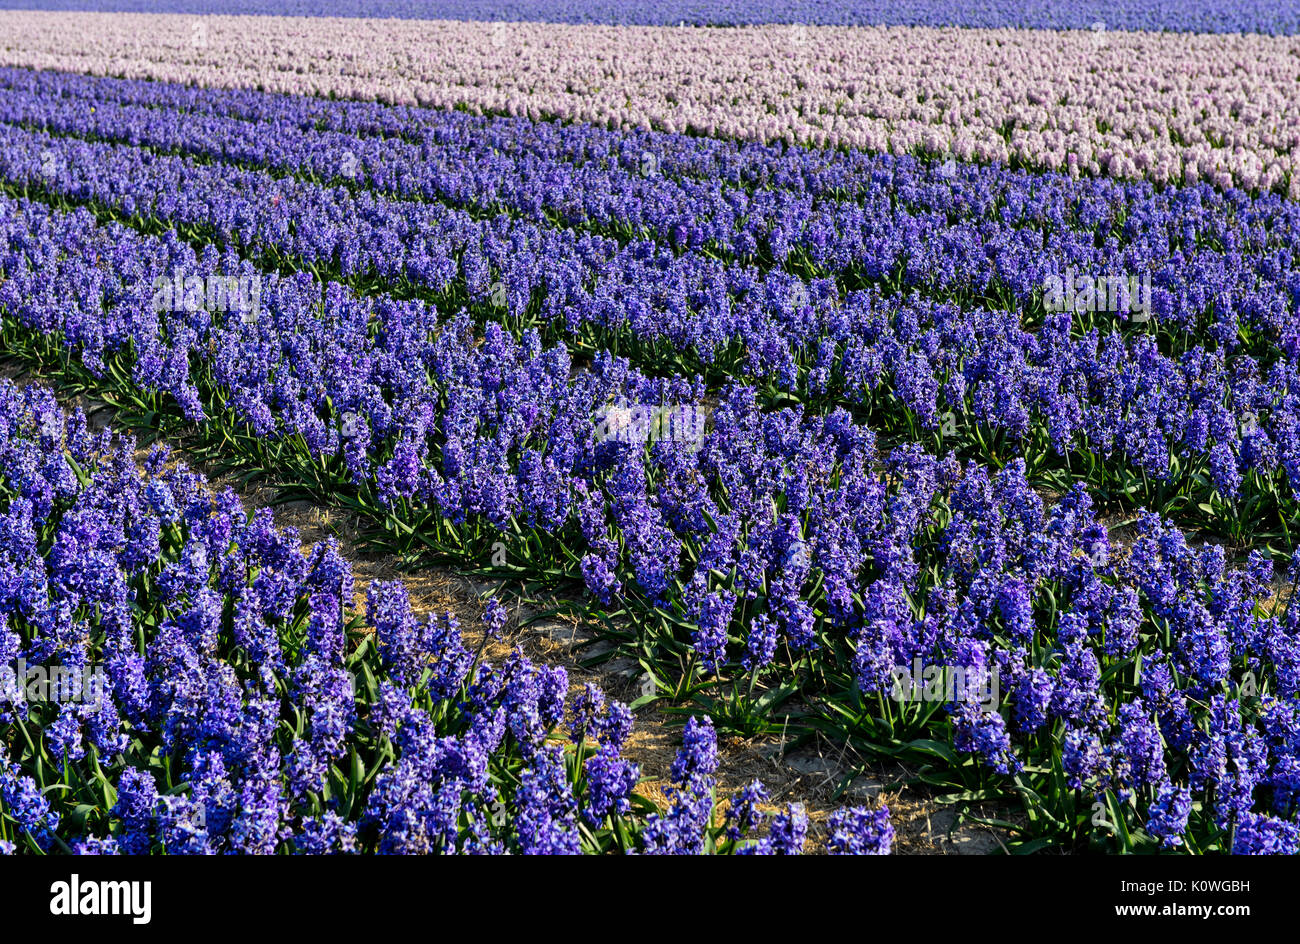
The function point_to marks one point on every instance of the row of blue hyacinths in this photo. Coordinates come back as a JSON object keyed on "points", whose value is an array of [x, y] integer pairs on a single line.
{"points": [[777, 570], [218, 694]]}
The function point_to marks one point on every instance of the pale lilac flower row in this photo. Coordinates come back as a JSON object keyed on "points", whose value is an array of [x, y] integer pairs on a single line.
{"points": [[1275, 17], [1168, 107]]}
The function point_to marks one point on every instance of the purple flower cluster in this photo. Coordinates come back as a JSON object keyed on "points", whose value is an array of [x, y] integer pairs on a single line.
{"points": [[783, 543], [241, 707], [1088, 102], [922, 345], [860, 832], [776, 502]]}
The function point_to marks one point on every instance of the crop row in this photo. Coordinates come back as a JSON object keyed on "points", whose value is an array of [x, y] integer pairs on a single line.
{"points": [[653, 181], [830, 213], [175, 675], [904, 226], [1216, 430], [777, 565], [1166, 107], [1275, 17]]}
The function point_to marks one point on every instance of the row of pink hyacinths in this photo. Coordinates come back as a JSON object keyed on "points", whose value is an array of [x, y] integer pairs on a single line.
{"points": [[1167, 107]]}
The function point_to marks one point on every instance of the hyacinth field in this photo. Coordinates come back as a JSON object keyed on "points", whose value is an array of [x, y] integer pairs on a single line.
{"points": [[916, 379]]}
